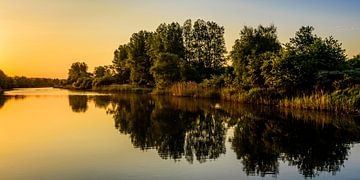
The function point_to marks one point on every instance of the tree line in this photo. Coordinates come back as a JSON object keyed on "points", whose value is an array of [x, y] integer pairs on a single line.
{"points": [[7, 82], [309, 71], [172, 53], [195, 51]]}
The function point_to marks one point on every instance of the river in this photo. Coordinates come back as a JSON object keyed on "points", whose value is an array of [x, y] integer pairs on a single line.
{"points": [[48, 133]]}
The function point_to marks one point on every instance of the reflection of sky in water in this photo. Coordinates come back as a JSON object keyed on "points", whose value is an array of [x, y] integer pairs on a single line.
{"points": [[47, 92], [42, 138]]}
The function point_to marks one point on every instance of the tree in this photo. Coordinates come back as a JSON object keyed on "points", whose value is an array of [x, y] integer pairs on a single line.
{"points": [[304, 57], [78, 70], [167, 39], [102, 71], [139, 60], [3, 81], [354, 62], [204, 47], [120, 62], [247, 51], [166, 69], [103, 75]]}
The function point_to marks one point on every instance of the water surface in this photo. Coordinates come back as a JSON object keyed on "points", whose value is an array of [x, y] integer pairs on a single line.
{"points": [[50, 133]]}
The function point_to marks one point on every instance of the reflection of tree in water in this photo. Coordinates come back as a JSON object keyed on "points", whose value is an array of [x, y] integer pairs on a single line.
{"points": [[132, 116], [101, 101], [253, 144], [181, 128], [2, 100], [206, 137], [260, 142], [78, 103], [173, 132]]}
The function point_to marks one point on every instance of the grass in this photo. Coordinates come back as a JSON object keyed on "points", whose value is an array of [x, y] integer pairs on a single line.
{"points": [[347, 101], [192, 89], [123, 88], [344, 101]]}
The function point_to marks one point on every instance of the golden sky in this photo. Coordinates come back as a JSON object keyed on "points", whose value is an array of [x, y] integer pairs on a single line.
{"points": [[42, 38]]}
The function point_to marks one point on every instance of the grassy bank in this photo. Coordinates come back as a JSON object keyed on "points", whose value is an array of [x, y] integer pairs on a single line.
{"points": [[344, 101], [114, 88], [347, 100], [123, 88]]}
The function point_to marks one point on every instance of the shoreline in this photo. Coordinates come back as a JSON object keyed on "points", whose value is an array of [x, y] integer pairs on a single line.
{"points": [[345, 101]]}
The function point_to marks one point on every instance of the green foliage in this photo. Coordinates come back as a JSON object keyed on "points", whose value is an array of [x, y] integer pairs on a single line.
{"points": [[166, 69], [139, 60], [102, 81], [204, 48], [102, 71], [103, 75], [167, 39], [248, 49], [303, 58], [78, 70], [189, 60], [121, 64], [83, 83], [354, 62]]}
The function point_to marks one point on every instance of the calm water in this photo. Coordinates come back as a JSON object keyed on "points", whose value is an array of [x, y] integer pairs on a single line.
{"points": [[58, 134]]}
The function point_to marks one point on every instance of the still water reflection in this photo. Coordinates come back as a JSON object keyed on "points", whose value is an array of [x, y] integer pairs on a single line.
{"points": [[171, 138]]}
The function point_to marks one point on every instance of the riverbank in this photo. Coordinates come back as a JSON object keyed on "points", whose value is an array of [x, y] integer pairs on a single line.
{"points": [[340, 101]]}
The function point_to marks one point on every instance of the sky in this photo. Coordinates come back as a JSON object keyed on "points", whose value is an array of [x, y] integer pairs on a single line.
{"points": [[42, 38]]}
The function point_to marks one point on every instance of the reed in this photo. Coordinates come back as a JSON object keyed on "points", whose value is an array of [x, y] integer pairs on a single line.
{"points": [[124, 88], [192, 89], [315, 101], [347, 101]]}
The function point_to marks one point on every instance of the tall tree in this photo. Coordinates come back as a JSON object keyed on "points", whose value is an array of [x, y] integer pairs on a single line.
{"points": [[139, 60], [248, 48], [166, 69], [204, 46], [304, 57], [120, 62], [167, 39]]}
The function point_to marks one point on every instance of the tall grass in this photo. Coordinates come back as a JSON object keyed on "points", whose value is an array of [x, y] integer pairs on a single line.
{"points": [[253, 96], [347, 101], [123, 88], [192, 89], [315, 101]]}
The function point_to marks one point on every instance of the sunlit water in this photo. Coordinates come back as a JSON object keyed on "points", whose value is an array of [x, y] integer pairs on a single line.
{"points": [[50, 133]]}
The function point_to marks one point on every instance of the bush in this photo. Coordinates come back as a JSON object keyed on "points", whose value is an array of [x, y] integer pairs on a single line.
{"points": [[83, 83]]}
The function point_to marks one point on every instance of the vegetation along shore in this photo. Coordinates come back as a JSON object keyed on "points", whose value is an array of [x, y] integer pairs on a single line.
{"points": [[190, 60]]}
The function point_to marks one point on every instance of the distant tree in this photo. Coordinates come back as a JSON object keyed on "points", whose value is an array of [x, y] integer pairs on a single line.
{"points": [[3, 81], [78, 70], [354, 62]]}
